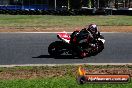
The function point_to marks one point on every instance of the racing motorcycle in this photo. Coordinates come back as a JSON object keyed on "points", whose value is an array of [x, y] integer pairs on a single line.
{"points": [[64, 46]]}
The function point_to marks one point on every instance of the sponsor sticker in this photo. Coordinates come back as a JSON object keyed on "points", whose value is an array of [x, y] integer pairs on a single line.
{"points": [[107, 78], [101, 78]]}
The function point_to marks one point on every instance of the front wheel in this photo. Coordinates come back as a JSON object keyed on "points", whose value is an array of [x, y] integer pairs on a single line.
{"points": [[55, 48], [100, 46]]}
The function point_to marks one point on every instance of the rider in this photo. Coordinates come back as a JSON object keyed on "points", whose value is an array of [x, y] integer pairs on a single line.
{"points": [[88, 34]]}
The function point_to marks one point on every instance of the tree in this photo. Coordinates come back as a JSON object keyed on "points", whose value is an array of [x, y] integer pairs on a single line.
{"points": [[89, 4]]}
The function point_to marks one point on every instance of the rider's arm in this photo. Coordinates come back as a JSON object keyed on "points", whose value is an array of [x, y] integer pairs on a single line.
{"points": [[97, 35]]}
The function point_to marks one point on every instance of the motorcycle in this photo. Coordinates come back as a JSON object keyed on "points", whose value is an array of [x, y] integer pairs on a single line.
{"points": [[64, 46]]}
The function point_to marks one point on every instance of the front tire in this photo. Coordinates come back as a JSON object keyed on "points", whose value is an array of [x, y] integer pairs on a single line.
{"points": [[100, 46]]}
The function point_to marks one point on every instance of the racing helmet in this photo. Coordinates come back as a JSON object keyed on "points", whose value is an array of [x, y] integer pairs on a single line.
{"points": [[92, 28]]}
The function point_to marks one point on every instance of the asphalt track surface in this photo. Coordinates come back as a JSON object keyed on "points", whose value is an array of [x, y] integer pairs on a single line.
{"points": [[32, 48]]}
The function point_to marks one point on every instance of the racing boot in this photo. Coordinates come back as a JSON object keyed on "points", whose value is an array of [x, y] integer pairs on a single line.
{"points": [[83, 54], [94, 50]]}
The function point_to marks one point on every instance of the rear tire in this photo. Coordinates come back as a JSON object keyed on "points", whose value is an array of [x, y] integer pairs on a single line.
{"points": [[55, 48]]}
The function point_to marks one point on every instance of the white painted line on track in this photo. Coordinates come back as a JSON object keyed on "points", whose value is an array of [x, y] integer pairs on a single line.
{"points": [[50, 32], [76, 64]]}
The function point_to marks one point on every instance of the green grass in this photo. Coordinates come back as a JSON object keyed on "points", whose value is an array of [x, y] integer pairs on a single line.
{"points": [[67, 80], [61, 21], [62, 82]]}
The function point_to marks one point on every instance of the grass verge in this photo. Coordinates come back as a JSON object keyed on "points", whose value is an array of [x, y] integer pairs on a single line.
{"points": [[36, 72], [47, 21], [58, 76], [62, 82], [51, 23]]}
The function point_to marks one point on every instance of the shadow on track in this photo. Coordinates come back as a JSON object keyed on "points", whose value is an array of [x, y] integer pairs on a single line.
{"points": [[59, 57], [43, 56]]}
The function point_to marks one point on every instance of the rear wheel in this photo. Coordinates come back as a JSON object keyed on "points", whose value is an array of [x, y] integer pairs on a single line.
{"points": [[55, 48]]}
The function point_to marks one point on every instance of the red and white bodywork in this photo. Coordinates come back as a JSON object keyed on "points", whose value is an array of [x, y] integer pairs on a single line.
{"points": [[64, 36]]}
